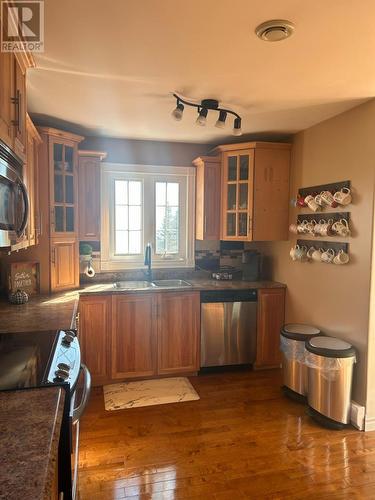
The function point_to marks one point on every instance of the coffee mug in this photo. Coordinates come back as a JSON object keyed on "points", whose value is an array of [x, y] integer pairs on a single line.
{"points": [[310, 252], [300, 201], [317, 255], [341, 258], [343, 197], [319, 201], [328, 256], [326, 228], [301, 253], [311, 203], [293, 228], [302, 227], [293, 251], [341, 228], [328, 199]]}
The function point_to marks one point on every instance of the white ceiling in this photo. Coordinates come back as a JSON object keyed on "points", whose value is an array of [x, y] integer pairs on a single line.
{"points": [[110, 66]]}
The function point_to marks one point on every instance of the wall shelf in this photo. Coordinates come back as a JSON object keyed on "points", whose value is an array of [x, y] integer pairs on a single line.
{"points": [[332, 188], [335, 245]]}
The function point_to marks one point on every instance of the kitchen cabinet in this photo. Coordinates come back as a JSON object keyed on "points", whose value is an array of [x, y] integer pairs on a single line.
{"points": [[19, 120], [178, 333], [143, 334], [58, 248], [134, 336], [207, 206], [271, 307], [31, 174], [89, 194], [6, 95], [64, 264], [95, 313], [254, 191]]}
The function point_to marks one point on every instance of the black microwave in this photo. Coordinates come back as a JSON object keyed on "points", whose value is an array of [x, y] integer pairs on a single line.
{"points": [[14, 202]]}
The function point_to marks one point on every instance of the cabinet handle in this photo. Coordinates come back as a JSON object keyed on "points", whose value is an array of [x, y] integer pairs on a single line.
{"points": [[53, 255], [205, 224], [53, 218], [17, 102]]}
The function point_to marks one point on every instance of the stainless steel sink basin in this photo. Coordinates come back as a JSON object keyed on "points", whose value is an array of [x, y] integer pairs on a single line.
{"points": [[133, 285], [171, 284]]}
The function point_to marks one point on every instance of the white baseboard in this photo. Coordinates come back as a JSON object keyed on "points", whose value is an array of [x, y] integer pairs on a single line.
{"points": [[369, 423]]}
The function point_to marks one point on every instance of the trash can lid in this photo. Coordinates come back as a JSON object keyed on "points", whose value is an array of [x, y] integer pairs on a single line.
{"points": [[330, 347], [299, 332]]}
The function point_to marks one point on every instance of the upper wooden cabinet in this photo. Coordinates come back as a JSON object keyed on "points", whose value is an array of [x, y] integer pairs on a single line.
{"points": [[13, 104], [254, 191], [31, 176], [207, 206], [89, 194]]}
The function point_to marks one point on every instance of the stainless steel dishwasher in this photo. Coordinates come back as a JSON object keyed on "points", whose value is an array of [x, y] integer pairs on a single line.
{"points": [[228, 327]]}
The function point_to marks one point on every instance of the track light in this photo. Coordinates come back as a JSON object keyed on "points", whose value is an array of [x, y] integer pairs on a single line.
{"points": [[178, 111], [237, 127], [221, 120], [203, 108], [202, 117]]}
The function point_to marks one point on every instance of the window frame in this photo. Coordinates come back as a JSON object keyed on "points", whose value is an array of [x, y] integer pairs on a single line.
{"points": [[149, 175]]}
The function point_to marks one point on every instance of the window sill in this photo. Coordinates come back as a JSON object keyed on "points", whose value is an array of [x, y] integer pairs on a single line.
{"points": [[164, 264]]}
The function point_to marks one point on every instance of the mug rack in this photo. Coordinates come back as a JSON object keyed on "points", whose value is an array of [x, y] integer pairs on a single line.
{"points": [[325, 245], [335, 216], [314, 190]]}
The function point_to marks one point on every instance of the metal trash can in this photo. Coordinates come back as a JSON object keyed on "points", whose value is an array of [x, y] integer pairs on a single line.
{"points": [[330, 363], [292, 345]]}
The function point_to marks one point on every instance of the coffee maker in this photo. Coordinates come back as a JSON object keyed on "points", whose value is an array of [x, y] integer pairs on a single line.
{"points": [[251, 265]]}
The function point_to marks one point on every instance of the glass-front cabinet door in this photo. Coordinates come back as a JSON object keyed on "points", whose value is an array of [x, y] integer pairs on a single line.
{"points": [[64, 188], [238, 179]]}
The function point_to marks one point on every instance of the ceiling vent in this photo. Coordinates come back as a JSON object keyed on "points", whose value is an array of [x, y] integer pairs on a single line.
{"points": [[275, 30]]}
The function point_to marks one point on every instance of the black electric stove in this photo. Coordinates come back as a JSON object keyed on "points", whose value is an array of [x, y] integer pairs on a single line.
{"points": [[41, 359], [34, 359]]}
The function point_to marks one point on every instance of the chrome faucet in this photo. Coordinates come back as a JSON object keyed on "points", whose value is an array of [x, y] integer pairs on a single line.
{"points": [[148, 253]]}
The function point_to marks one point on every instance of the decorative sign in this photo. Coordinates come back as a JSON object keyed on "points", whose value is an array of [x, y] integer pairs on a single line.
{"points": [[23, 276]]}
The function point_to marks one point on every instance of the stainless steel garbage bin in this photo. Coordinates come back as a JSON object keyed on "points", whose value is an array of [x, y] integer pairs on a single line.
{"points": [[292, 345], [330, 371]]}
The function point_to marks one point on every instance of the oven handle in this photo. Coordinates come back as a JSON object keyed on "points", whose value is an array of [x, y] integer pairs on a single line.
{"points": [[78, 411], [26, 214]]}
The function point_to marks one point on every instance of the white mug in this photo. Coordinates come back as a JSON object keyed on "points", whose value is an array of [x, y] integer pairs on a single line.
{"points": [[328, 199], [341, 228], [311, 203], [328, 256], [317, 255], [343, 197], [293, 251], [301, 253], [310, 252], [341, 258]]}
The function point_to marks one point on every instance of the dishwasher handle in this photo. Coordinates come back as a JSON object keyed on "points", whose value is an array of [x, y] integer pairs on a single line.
{"points": [[216, 296]]}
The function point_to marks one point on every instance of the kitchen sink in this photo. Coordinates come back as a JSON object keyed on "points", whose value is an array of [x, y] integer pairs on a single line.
{"points": [[133, 285], [171, 284]]}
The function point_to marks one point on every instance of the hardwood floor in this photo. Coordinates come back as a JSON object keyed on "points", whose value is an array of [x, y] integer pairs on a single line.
{"points": [[243, 439]]}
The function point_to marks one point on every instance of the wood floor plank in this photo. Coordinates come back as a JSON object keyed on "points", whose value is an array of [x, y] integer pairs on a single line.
{"points": [[242, 440]]}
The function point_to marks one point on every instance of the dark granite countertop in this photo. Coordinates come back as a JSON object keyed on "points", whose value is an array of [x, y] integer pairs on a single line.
{"points": [[42, 312], [30, 422], [197, 285]]}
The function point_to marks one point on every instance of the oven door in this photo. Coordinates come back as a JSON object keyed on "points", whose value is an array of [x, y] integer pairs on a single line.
{"points": [[14, 206], [81, 394]]}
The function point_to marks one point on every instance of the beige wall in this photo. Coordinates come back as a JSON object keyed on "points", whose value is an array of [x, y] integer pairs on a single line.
{"points": [[335, 298]]}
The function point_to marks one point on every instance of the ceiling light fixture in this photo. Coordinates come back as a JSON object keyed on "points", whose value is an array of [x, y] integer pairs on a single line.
{"points": [[203, 108], [275, 30], [178, 111]]}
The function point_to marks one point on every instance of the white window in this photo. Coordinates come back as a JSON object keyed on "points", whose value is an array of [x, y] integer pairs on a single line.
{"points": [[142, 204]]}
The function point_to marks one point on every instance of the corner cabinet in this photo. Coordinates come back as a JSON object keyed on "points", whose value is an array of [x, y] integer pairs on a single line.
{"points": [[254, 191], [58, 197], [207, 206], [89, 194]]}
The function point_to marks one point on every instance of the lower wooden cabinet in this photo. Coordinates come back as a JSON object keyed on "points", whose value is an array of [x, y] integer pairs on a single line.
{"points": [[64, 264], [95, 335], [178, 333], [271, 306], [133, 336], [139, 335]]}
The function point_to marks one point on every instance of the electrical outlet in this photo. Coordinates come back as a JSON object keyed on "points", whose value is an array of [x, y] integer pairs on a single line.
{"points": [[357, 415]]}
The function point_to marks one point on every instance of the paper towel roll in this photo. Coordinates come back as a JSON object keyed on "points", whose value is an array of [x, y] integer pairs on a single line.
{"points": [[89, 271]]}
